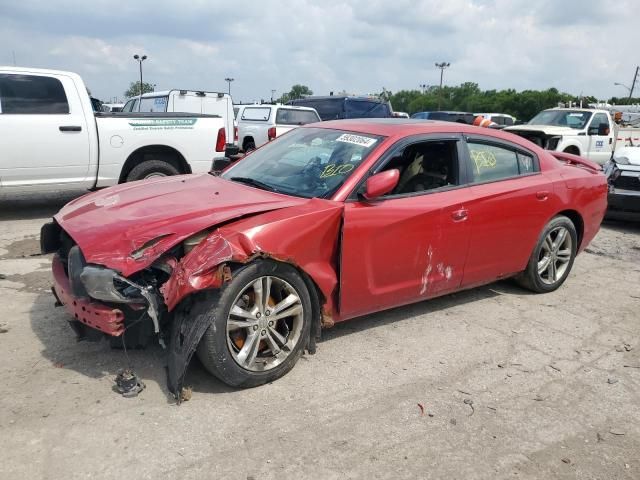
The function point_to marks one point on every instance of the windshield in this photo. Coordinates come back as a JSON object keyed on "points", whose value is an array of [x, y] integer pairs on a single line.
{"points": [[562, 118], [306, 162]]}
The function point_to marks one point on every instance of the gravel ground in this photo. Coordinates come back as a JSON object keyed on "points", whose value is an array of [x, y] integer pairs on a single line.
{"points": [[489, 383]]}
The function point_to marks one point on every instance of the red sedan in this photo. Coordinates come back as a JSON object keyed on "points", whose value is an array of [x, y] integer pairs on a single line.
{"points": [[328, 222]]}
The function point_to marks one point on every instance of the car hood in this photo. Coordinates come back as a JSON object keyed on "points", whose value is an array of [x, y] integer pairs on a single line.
{"points": [[547, 129], [149, 217]]}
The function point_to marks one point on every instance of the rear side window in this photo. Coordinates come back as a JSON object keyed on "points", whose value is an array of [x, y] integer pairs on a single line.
{"points": [[493, 162], [328, 108], [256, 113], [289, 116], [366, 109], [31, 94]]}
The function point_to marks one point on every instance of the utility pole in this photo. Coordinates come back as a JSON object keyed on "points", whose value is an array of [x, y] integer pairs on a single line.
{"points": [[140, 59], [441, 66], [423, 86], [633, 84], [229, 80]]}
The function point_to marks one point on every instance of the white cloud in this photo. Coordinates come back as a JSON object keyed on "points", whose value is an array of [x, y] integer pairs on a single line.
{"points": [[329, 45]]}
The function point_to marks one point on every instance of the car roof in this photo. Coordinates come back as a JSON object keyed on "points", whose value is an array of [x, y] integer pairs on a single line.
{"points": [[341, 97], [450, 112], [401, 127]]}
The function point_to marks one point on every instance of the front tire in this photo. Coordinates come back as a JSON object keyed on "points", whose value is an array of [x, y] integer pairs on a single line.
{"points": [[552, 257], [260, 325]]}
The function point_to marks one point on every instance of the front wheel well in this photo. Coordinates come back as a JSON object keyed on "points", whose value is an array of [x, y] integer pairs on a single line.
{"points": [[577, 221], [154, 152]]}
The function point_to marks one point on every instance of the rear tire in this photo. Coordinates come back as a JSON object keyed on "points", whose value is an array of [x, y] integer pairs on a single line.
{"points": [[249, 146], [152, 169], [238, 348], [552, 257]]}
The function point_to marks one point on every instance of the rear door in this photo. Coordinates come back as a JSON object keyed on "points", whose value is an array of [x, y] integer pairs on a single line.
{"points": [[44, 136], [511, 202], [410, 244]]}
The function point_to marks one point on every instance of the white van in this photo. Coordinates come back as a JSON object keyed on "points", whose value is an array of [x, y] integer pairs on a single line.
{"points": [[190, 101], [261, 123]]}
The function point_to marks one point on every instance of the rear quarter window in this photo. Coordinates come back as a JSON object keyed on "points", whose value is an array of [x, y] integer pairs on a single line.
{"points": [[260, 114], [290, 116], [32, 94]]}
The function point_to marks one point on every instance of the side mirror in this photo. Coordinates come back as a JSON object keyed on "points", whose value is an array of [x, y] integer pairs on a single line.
{"points": [[381, 183]]}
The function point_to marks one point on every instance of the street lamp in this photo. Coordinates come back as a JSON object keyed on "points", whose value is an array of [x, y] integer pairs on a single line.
{"points": [[140, 59], [441, 66], [229, 80], [623, 85], [423, 86]]}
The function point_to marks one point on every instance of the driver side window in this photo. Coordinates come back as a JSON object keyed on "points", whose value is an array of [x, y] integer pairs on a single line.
{"points": [[425, 166]]}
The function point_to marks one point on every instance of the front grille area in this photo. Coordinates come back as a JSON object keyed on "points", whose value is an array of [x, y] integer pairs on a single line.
{"points": [[627, 183]]}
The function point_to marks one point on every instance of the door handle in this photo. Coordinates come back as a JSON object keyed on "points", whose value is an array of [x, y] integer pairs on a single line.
{"points": [[459, 215], [70, 128], [542, 195]]}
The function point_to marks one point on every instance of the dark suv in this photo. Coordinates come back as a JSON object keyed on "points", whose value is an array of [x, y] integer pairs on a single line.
{"points": [[459, 117], [339, 107]]}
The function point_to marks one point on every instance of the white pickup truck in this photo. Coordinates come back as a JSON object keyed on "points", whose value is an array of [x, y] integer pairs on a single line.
{"points": [[50, 137], [581, 131]]}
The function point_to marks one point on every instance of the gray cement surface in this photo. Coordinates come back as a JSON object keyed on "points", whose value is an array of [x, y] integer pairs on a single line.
{"points": [[490, 383]]}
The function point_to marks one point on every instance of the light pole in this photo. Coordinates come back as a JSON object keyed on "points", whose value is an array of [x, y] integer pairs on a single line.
{"points": [[140, 59], [229, 80], [441, 66], [423, 86], [623, 85]]}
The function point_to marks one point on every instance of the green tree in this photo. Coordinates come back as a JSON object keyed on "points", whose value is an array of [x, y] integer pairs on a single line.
{"points": [[134, 89], [297, 91]]}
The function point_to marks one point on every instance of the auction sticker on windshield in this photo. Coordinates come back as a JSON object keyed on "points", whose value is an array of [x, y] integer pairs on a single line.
{"points": [[356, 140]]}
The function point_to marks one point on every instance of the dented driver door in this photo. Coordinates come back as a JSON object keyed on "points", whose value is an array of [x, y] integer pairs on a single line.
{"points": [[401, 250]]}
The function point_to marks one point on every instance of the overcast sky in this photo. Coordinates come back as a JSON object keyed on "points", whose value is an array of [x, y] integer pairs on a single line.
{"points": [[359, 45]]}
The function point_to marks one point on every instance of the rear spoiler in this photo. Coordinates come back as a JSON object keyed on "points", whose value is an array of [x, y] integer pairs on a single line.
{"points": [[575, 160]]}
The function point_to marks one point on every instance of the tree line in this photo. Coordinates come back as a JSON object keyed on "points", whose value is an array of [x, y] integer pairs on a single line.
{"points": [[468, 97]]}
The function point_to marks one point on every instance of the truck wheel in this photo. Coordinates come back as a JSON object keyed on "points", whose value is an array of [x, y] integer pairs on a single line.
{"points": [[260, 324], [152, 169], [249, 146]]}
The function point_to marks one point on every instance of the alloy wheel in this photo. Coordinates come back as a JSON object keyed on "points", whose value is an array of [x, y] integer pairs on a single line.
{"points": [[264, 324], [555, 255]]}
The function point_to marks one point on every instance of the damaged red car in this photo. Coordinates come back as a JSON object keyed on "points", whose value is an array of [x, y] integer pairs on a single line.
{"points": [[328, 222]]}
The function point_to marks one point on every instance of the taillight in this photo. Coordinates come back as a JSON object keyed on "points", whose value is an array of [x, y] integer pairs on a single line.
{"points": [[221, 140], [235, 134], [271, 133]]}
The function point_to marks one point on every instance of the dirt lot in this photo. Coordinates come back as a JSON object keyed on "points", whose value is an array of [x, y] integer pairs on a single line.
{"points": [[513, 385]]}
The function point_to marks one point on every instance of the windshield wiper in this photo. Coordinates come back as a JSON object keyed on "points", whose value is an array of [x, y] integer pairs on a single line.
{"points": [[254, 183]]}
